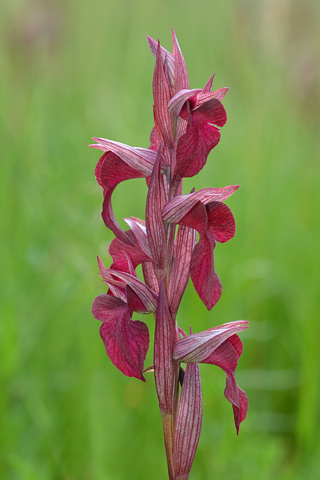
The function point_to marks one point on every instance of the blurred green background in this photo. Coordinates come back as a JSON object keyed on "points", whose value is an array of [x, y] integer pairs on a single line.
{"points": [[70, 70]]}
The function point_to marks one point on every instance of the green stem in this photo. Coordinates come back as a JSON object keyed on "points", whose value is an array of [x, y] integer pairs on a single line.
{"points": [[168, 440]]}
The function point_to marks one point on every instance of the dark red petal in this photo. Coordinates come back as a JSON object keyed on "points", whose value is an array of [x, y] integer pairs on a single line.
{"points": [[194, 147], [221, 222], [119, 251], [108, 308], [179, 275], [237, 398], [109, 218], [126, 343], [204, 278], [196, 218], [188, 423], [226, 357], [211, 111], [110, 172], [135, 304]]}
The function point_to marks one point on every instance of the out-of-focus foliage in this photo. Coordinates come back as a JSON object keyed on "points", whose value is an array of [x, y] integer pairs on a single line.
{"points": [[72, 70]]}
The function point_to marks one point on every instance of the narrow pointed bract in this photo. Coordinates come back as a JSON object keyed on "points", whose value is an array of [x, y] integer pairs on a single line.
{"points": [[188, 423], [175, 242]]}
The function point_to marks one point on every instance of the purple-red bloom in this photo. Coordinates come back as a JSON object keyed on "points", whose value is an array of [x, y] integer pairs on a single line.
{"points": [[222, 347], [175, 242]]}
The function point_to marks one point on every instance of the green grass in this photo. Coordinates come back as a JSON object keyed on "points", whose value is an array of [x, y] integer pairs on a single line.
{"points": [[81, 69]]}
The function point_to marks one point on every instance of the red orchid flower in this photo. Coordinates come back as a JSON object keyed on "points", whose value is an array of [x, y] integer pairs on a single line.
{"points": [[222, 347], [167, 247]]}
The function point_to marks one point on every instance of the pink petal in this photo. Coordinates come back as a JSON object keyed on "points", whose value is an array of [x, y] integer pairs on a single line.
{"points": [[126, 341], [165, 368], [203, 347], [205, 280], [119, 251], [140, 159], [221, 222], [194, 147], [135, 304], [181, 79], [179, 99], [226, 357], [196, 218], [140, 234], [211, 111], [179, 275], [188, 423], [179, 206]]}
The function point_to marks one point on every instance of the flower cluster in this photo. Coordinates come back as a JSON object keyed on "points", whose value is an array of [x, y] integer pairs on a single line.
{"points": [[176, 241]]}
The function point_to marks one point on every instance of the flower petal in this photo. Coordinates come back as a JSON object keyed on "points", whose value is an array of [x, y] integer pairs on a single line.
{"points": [[126, 341], [119, 251], [221, 222], [179, 99], [110, 171], [204, 278], [210, 111], [179, 206], [140, 159], [226, 357], [194, 147]]}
